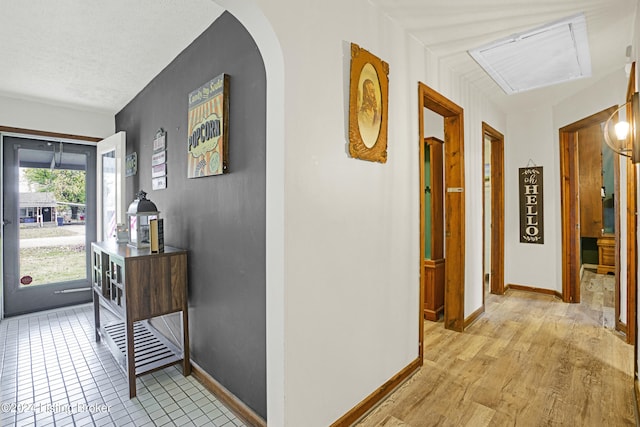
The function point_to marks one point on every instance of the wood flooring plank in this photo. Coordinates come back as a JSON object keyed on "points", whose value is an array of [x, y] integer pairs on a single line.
{"points": [[393, 422], [529, 360], [481, 416], [472, 347]]}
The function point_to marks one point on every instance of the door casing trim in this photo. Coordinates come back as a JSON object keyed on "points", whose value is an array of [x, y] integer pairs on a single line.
{"points": [[454, 206], [497, 210]]}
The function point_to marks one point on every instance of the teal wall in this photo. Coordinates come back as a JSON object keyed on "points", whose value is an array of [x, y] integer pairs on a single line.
{"points": [[608, 211], [427, 203]]}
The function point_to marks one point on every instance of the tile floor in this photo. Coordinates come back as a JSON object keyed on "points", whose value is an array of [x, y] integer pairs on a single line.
{"points": [[53, 373], [597, 293]]}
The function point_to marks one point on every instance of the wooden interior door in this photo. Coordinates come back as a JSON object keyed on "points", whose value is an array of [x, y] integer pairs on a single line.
{"points": [[496, 209], [570, 201], [632, 227], [454, 223], [570, 217], [590, 178]]}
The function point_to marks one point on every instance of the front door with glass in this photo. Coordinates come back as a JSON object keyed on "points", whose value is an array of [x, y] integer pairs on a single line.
{"points": [[49, 217]]}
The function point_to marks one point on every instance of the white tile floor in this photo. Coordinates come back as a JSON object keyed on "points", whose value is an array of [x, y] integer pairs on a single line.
{"points": [[52, 372]]}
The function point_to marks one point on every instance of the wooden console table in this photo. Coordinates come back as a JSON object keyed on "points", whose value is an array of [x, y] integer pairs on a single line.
{"points": [[137, 285]]}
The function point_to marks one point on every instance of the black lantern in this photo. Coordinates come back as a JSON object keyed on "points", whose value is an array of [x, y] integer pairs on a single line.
{"points": [[140, 212]]}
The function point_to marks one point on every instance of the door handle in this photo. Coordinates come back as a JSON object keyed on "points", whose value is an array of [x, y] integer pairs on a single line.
{"points": [[5, 222]]}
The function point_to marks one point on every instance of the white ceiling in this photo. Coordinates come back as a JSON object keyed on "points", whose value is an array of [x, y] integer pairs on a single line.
{"points": [[450, 28], [100, 54], [93, 54]]}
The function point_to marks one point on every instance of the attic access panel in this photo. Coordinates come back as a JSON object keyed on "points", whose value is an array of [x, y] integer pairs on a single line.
{"points": [[548, 55]]}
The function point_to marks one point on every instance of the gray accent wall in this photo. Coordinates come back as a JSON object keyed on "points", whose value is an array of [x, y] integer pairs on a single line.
{"points": [[219, 219]]}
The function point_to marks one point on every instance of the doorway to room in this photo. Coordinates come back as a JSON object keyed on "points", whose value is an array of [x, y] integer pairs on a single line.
{"points": [[493, 210], [48, 209], [432, 181], [591, 236], [454, 204]]}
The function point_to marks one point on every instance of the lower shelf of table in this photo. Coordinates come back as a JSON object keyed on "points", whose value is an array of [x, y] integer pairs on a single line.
{"points": [[152, 351]]}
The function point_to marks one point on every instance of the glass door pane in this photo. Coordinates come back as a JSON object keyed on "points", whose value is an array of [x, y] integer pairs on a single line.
{"points": [[110, 175], [52, 232], [109, 197]]}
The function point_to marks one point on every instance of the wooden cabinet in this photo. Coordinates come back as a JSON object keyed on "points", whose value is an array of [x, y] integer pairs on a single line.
{"points": [[137, 285], [606, 254], [433, 288]]}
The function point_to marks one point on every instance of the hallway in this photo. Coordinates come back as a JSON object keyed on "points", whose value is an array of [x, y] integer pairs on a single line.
{"points": [[530, 360]]}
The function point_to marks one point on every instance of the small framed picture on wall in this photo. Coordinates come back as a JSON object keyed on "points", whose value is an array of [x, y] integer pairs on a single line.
{"points": [[159, 183], [368, 106]]}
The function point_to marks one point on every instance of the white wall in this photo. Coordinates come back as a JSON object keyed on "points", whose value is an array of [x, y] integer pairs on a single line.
{"points": [[351, 240], [476, 110], [609, 91], [350, 282], [530, 135], [433, 124], [33, 115]]}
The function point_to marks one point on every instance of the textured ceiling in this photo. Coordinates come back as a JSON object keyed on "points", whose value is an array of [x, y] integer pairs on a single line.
{"points": [[450, 28], [93, 54], [100, 54]]}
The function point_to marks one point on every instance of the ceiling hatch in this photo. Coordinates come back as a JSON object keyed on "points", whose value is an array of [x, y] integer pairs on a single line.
{"points": [[548, 55]]}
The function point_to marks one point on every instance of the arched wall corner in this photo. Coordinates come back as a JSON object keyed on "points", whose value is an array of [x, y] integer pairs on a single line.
{"points": [[251, 16]]}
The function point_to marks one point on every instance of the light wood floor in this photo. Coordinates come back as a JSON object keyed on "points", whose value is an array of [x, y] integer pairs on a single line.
{"points": [[530, 360]]}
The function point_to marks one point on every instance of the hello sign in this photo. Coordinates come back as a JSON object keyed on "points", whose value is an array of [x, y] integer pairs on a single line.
{"points": [[531, 205]]}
